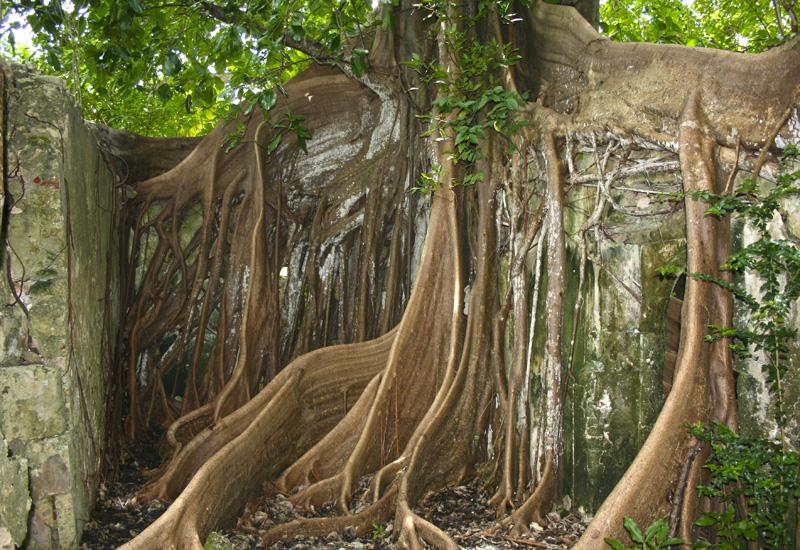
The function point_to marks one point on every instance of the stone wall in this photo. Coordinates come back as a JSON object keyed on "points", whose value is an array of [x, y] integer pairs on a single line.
{"points": [[756, 405], [623, 363], [59, 305], [616, 387]]}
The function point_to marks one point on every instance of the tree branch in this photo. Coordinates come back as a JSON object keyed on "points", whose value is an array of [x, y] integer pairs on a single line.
{"points": [[311, 48]]}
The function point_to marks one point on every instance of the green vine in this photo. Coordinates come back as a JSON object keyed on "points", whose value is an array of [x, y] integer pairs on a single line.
{"points": [[759, 472], [473, 101]]}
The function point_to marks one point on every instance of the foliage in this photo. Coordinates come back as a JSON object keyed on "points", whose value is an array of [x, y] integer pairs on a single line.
{"points": [[175, 68], [428, 182], [475, 98], [738, 25], [775, 262], [764, 473], [471, 99], [656, 536], [378, 531], [162, 68]]}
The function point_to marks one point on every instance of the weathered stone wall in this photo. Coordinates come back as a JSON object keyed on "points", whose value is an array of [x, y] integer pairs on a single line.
{"points": [[616, 386], [756, 403], [59, 311]]}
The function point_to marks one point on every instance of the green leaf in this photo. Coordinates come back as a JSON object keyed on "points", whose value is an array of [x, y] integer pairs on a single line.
{"points": [[164, 92], [296, 31], [358, 66], [172, 64], [706, 520], [615, 544], [268, 100], [657, 531], [359, 61], [274, 143], [136, 6], [633, 530], [205, 94]]}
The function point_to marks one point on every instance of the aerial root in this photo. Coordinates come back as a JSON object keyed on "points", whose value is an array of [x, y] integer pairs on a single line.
{"points": [[414, 530]]}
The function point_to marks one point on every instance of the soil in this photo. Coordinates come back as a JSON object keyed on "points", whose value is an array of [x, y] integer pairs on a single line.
{"points": [[117, 516], [461, 511]]}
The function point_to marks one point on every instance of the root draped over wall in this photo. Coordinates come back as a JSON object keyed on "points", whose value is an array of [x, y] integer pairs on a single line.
{"points": [[421, 374]]}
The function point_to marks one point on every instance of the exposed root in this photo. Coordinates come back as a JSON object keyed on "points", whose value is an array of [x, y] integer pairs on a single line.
{"points": [[360, 523], [325, 372], [414, 530], [642, 493], [414, 407], [539, 503], [310, 389]]}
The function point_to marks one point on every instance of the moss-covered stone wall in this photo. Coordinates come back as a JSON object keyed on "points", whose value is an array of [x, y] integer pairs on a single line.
{"points": [[617, 382], [60, 309], [616, 385], [756, 404]]}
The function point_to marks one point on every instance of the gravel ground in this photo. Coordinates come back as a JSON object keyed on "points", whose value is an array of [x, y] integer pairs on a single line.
{"points": [[461, 511]]}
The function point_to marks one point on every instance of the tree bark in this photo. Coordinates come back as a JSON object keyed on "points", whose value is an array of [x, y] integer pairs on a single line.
{"points": [[412, 406]]}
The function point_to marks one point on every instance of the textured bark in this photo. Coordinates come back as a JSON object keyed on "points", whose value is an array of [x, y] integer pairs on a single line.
{"points": [[412, 405]]}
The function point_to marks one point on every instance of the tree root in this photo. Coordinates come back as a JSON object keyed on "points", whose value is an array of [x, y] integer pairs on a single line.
{"points": [[310, 389], [324, 374], [643, 492]]}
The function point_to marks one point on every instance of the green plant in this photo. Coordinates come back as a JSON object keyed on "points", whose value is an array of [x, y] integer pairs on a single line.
{"points": [[428, 182], [656, 536], [739, 25], [471, 101], [756, 479], [378, 531], [757, 469]]}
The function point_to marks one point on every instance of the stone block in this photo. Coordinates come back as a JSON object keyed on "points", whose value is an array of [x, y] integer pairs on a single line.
{"points": [[31, 402], [53, 524], [50, 464], [15, 502]]}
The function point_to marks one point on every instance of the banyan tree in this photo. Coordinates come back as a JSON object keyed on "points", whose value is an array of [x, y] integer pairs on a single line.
{"points": [[388, 278]]}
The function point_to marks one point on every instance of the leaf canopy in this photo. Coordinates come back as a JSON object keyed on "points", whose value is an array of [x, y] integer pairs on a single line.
{"points": [[175, 67]]}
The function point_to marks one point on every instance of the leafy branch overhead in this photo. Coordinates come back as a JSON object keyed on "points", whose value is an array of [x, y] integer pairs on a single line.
{"points": [[175, 68]]}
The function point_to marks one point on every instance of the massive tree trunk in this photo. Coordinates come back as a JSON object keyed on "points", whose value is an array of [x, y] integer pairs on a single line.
{"points": [[248, 260]]}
